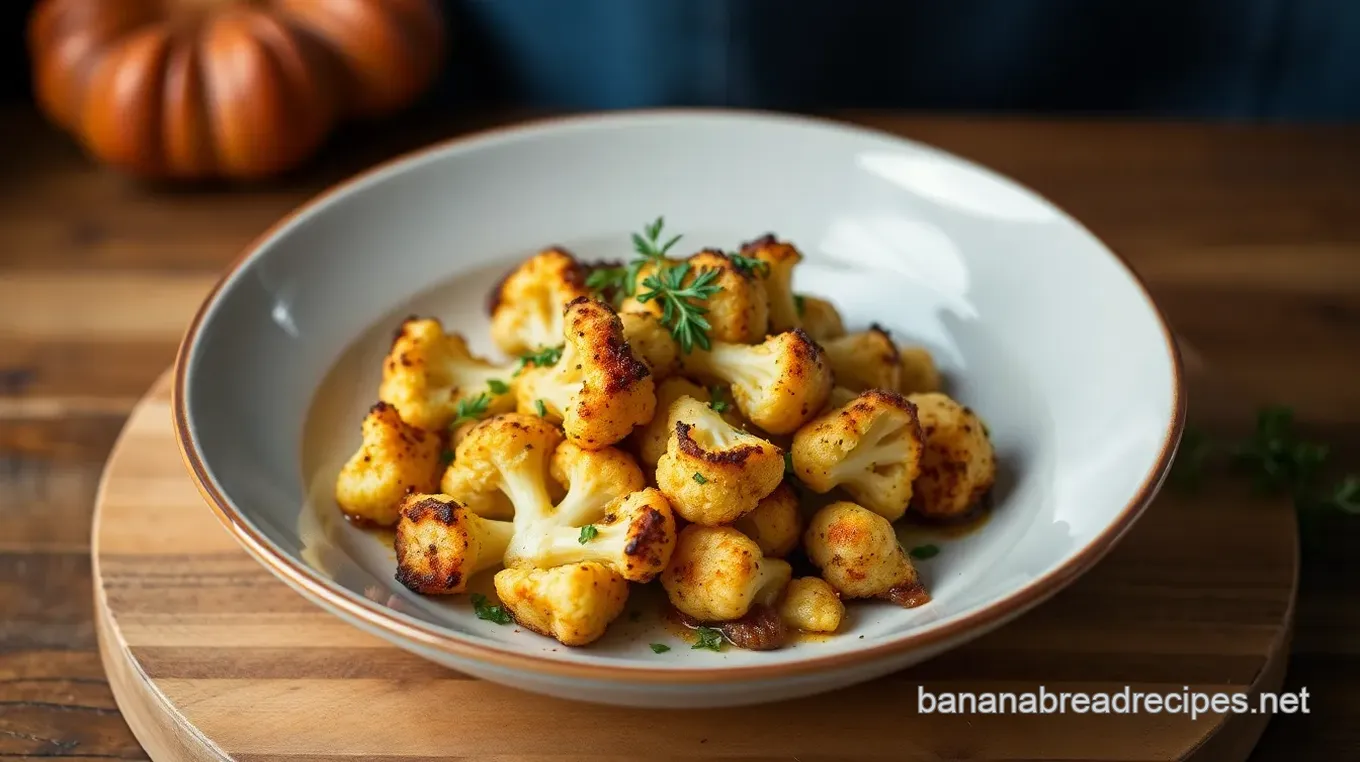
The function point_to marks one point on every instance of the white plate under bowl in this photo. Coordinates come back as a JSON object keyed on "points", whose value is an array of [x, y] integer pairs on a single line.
{"points": [[1036, 324]]}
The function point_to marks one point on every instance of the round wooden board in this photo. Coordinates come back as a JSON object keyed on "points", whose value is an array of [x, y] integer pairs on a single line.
{"points": [[210, 657]]}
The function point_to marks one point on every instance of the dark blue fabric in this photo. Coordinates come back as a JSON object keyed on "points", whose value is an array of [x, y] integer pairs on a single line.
{"points": [[1242, 59]]}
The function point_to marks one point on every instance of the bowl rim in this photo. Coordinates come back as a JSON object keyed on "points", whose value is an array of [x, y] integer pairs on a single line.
{"points": [[358, 609]]}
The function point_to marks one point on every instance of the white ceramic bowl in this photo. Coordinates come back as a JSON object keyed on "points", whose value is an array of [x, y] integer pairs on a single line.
{"points": [[1037, 325]]}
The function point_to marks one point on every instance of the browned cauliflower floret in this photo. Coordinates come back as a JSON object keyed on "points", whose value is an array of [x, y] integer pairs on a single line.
{"points": [[871, 448], [634, 537], [651, 342], [811, 605], [820, 318], [918, 374], [779, 259], [859, 555], [958, 465], [594, 479], [508, 453], [394, 460], [651, 439], [573, 604], [528, 304], [440, 544], [775, 523], [712, 472], [863, 360], [717, 574], [778, 385], [738, 312], [597, 389], [428, 372]]}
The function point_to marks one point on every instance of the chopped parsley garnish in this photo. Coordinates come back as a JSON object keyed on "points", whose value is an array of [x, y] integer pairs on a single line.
{"points": [[660, 648], [498, 386], [750, 265], [541, 408], [709, 638], [719, 403], [470, 409], [924, 551], [788, 462], [698, 477], [488, 612], [543, 358], [588, 533]]}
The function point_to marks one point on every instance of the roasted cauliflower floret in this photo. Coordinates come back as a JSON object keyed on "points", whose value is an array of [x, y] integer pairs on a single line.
{"points": [[811, 605], [394, 460], [441, 544], [651, 342], [527, 307], [778, 385], [717, 574], [870, 447], [712, 472], [737, 312], [508, 453], [859, 555], [779, 258], [820, 318], [864, 360], [594, 479], [573, 604], [598, 389], [428, 372], [775, 523], [634, 537], [651, 439], [958, 464], [918, 373]]}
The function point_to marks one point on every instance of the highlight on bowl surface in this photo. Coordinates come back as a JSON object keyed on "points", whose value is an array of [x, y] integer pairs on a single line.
{"points": [[687, 422]]}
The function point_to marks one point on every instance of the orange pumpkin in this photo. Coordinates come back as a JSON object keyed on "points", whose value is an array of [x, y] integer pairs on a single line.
{"points": [[237, 89]]}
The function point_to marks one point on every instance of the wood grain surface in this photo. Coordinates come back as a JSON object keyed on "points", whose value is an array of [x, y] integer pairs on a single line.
{"points": [[1247, 237], [212, 658]]}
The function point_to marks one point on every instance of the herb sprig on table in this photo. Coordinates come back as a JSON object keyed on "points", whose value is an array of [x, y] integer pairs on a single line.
{"points": [[1277, 460]]}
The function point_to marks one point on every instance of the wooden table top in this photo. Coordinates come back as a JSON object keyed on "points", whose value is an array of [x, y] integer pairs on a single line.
{"points": [[1248, 237]]}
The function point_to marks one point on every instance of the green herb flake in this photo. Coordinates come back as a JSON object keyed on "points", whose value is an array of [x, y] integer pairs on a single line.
{"points": [[923, 552], [660, 648], [446, 457], [750, 265], [541, 408], [543, 358], [719, 397], [498, 386], [709, 638], [698, 477], [788, 463], [800, 304], [470, 409], [588, 533], [488, 612]]}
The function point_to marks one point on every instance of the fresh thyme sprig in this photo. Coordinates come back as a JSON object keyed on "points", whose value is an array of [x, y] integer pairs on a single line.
{"points": [[649, 249], [749, 265], [679, 313], [1278, 460]]}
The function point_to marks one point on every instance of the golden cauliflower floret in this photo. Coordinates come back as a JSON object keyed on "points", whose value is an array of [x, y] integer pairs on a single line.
{"points": [[811, 605], [820, 318], [958, 464], [634, 537], [597, 389], [738, 312], [871, 447], [441, 544], [573, 604], [859, 555], [594, 479], [394, 460], [717, 574], [651, 342], [712, 472], [864, 360], [779, 258], [918, 373], [507, 454], [777, 385], [651, 439], [428, 372], [527, 306], [775, 523]]}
